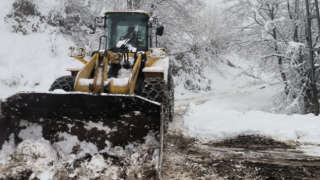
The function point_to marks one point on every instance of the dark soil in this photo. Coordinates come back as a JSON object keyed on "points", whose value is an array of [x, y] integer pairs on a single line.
{"points": [[251, 143], [244, 157]]}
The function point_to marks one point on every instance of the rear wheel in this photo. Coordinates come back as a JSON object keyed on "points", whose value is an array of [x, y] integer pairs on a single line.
{"points": [[65, 83]]}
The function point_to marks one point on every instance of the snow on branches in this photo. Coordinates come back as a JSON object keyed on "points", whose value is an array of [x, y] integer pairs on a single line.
{"points": [[273, 32]]}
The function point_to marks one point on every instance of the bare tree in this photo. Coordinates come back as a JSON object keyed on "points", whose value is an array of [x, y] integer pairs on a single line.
{"points": [[273, 32], [133, 4]]}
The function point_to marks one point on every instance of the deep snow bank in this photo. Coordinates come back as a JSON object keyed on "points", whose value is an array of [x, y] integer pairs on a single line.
{"points": [[27, 64], [215, 121], [244, 105], [31, 62]]}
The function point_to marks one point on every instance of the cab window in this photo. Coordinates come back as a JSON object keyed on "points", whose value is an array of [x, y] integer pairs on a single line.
{"points": [[121, 25]]}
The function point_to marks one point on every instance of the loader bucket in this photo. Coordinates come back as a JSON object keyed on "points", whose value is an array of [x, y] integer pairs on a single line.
{"points": [[118, 119]]}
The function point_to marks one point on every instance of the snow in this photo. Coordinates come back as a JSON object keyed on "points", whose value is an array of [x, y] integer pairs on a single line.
{"points": [[85, 82], [150, 140], [30, 65], [31, 153], [125, 73], [129, 46], [158, 53], [32, 62], [44, 7], [141, 11], [162, 63], [99, 126], [269, 25], [97, 164], [69, 142], [310, 150], [7, 149], [153, 69], [99, 76], [120, 82], [6, 8], [33, 131], [40, 148], [120, 43], [241, 105], [42, 158], [217, 121], [46, 161], [191, 108]]}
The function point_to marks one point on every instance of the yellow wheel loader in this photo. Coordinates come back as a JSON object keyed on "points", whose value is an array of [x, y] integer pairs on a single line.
{"points": [[126, 87]]}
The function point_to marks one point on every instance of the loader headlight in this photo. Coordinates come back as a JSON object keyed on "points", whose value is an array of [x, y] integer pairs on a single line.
{"points": [[158, 52], [77, 52]]}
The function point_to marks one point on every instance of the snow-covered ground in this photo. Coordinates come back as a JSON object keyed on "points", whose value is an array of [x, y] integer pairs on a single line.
{"points": [[243, 105], [227, 116], [232, 132], [29, 66], [239, 104], [31, 62]]}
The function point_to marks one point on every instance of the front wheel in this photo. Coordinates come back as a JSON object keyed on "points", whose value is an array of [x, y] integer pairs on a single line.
{"points": [[155, 89], [65, 83]]}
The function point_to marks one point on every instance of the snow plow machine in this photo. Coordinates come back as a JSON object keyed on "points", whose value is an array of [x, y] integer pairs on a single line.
{"points": [[120, 101]]}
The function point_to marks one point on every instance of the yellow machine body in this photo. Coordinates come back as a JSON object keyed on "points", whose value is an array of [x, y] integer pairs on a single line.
{"points": [[98, 83]]}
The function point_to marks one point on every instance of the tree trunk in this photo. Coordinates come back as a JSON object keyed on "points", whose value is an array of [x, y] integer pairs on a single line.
{"points": [[276, 49], [280, 64], [283, 76]]}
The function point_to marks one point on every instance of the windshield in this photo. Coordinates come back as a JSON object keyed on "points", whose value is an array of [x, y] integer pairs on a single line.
{"points": [[121, 25]]}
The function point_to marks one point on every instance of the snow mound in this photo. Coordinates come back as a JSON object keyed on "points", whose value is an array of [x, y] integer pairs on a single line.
{"points": [[33, 157], [231, 114], [33, 131], [191, 108], [69, 158]]}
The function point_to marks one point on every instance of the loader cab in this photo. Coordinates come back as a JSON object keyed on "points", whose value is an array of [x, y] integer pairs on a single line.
{"points": [[120, 25]]}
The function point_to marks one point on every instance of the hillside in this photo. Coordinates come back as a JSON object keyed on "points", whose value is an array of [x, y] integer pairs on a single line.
{"points": [[226, 125]]}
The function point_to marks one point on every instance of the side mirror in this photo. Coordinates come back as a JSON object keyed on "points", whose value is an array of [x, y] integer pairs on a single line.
{"points": [[151, 20], [98, 22], [154, 20], [160, 31], [77, 52]]}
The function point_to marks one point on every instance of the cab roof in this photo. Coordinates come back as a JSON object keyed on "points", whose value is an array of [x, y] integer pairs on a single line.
{"points": [[128, 12]]}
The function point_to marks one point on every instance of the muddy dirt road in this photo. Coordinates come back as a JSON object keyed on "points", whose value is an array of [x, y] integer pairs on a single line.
{"points": [[244, 157]]}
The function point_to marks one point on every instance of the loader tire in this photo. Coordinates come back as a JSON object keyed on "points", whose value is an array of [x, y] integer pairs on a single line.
{"points": [[155, 89], [65, 83]]}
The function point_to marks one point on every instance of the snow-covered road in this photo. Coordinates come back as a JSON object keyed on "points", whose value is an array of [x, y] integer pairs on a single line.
{"points": [[229, 115], [233, 134]]}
